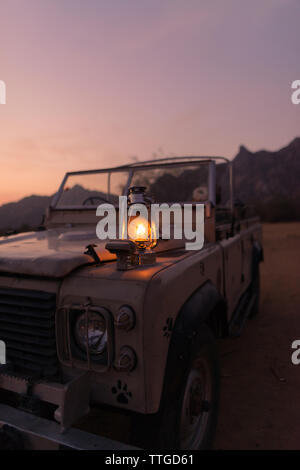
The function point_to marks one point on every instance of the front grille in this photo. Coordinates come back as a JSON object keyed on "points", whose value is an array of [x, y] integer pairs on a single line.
{"points": [[27, 325]]}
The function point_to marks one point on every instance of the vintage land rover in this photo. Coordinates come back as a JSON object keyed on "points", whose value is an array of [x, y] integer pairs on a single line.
{"points": [[105, 324]]}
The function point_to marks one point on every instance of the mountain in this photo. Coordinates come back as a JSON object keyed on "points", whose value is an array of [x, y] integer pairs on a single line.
{"points": [[22, 215], [268, 180], [263, 175], [29, 212]]}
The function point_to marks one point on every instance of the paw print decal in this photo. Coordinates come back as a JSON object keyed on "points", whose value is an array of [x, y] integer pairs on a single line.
{"points": [[122, 393], [167, 329]]}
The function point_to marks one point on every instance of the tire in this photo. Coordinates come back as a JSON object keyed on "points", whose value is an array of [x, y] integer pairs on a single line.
{"points": [[189, 410], [255, 291]]}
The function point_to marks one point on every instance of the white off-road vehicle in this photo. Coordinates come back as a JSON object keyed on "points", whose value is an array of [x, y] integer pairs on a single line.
{"points": [[93, 324]]}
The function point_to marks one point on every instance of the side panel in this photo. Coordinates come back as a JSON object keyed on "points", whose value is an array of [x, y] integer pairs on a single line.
{"points": [[237, 253], [234, 285], [168, 291]]}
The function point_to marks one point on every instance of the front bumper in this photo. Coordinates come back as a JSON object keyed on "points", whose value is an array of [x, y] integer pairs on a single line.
{"points": [[72, 401], [40, 433], [71, 397]]}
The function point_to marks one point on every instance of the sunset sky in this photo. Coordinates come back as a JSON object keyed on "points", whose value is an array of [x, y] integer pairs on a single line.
{"points": [[93, 83]]}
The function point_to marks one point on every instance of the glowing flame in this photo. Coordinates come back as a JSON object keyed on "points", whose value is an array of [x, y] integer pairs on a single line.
{"points": [[138, 229], [141, 231]]}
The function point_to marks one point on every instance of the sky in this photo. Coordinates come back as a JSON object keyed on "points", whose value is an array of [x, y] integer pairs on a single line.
{"points": [[96, 83]]}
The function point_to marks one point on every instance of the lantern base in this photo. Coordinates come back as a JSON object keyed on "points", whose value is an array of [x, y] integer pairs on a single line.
{"points": [[147, 258], [126, 262], [128, 257]]}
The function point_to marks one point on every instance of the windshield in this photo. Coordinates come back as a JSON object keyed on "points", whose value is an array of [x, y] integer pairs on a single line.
{"points": [[92, 189], [174, 184], [164, 183]]}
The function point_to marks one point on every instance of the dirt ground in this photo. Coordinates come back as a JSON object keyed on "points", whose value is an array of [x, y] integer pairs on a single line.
{"points": [[260, 397]]}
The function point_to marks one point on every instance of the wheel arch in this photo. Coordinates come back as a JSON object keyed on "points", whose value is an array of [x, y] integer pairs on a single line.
{"points": [[205, 307], [257, 253]]}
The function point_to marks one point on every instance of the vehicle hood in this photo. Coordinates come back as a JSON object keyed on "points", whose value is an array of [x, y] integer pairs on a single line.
{"points": [[50, 253]]}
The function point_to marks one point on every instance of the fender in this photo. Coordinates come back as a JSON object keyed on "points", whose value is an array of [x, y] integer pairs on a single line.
{"points": [[192, 316], [257, 253], [196, 311], [197, 308], [257, 257]]}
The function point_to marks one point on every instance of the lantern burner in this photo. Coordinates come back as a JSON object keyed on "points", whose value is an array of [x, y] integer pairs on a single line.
{"points": [[137, 195]]}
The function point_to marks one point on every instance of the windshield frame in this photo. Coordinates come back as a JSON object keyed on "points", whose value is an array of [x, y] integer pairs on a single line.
{"points": [[147, 165]]}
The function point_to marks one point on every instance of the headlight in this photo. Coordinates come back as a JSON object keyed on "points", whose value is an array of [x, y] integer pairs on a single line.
{"points": [[125, 319], [92, 330]]}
